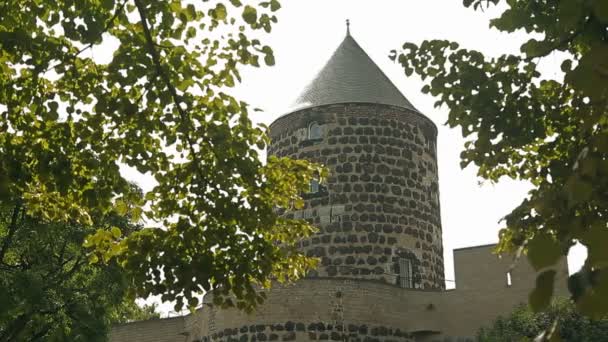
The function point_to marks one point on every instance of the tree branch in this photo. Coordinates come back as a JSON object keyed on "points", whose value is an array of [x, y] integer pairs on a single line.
{"points": [[105, 29], [151, 46], [41, 333], [12, 228], [562, 42], [14, 328]]}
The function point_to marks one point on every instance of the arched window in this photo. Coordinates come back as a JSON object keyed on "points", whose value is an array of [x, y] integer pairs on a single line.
{"points": [[314, 131]]}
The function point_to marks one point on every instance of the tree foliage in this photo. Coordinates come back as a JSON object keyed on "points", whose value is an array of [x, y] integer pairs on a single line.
{"points": [[161, 106], [522, 125], [48, 289], [525, 325]]}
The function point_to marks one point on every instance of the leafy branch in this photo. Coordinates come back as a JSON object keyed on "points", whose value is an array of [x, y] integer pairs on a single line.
{"points": [[186, 123], [12, 228]]}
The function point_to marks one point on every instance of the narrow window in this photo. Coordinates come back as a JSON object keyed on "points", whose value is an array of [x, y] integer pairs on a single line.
{"points": [[509, 280], [314, 185], [314, 131], [405, 273]]}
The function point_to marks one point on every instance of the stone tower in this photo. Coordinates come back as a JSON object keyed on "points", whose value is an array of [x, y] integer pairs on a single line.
{"points": [[378, 212], [379, 236]]}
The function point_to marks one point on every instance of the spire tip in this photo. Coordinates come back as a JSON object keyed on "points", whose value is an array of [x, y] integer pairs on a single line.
{"points": [[348, 27]]}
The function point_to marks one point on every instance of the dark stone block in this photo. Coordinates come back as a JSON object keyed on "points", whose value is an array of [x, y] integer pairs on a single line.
{"points": [[290, 336], [372, 238], [371, 260], [350, 260]]}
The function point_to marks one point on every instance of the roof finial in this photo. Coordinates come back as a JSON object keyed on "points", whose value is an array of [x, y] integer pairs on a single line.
{"points": [[348, 27]]}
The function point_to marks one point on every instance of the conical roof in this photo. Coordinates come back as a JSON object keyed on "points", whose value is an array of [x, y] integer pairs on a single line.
{"points": [[350, 76]]}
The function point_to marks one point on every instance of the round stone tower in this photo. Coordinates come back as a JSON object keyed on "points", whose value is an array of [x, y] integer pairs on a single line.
{"points": [[381, 274], [378, 212]]}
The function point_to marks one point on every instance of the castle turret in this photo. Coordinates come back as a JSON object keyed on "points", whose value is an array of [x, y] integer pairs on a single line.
{"points": [[378, 212]]}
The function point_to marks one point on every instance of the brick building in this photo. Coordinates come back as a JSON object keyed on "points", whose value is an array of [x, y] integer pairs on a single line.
{"points": [[381, 275]]}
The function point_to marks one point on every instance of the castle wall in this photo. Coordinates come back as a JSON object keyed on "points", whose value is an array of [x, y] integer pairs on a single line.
{"points": [[482, 292], [382, 196], [155, 330], [317, 309]]}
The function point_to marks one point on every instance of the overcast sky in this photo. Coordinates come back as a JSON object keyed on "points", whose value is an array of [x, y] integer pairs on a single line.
{"points": [[309, 31]]}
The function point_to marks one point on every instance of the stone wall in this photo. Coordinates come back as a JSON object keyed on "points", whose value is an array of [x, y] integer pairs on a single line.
{"points": [[154, 330], [326, 309], [336, 308], [381, 201], [483, 292]]}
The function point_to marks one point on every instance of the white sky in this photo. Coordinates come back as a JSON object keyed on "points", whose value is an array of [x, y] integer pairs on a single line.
{"points": [[309, 31]]}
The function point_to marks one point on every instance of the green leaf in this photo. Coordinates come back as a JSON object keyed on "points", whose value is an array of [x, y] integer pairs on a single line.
{"points": [[543, 251], [275, 5], [595, 240], [570, 12], [220, 12], [594, 301], [540, 297], [250, 14], [577, 190], [121, 207], [600, 9], [116, 233]]}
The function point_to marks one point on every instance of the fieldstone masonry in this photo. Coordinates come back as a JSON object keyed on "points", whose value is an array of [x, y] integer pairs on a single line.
{"points": [[382, 195]]}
